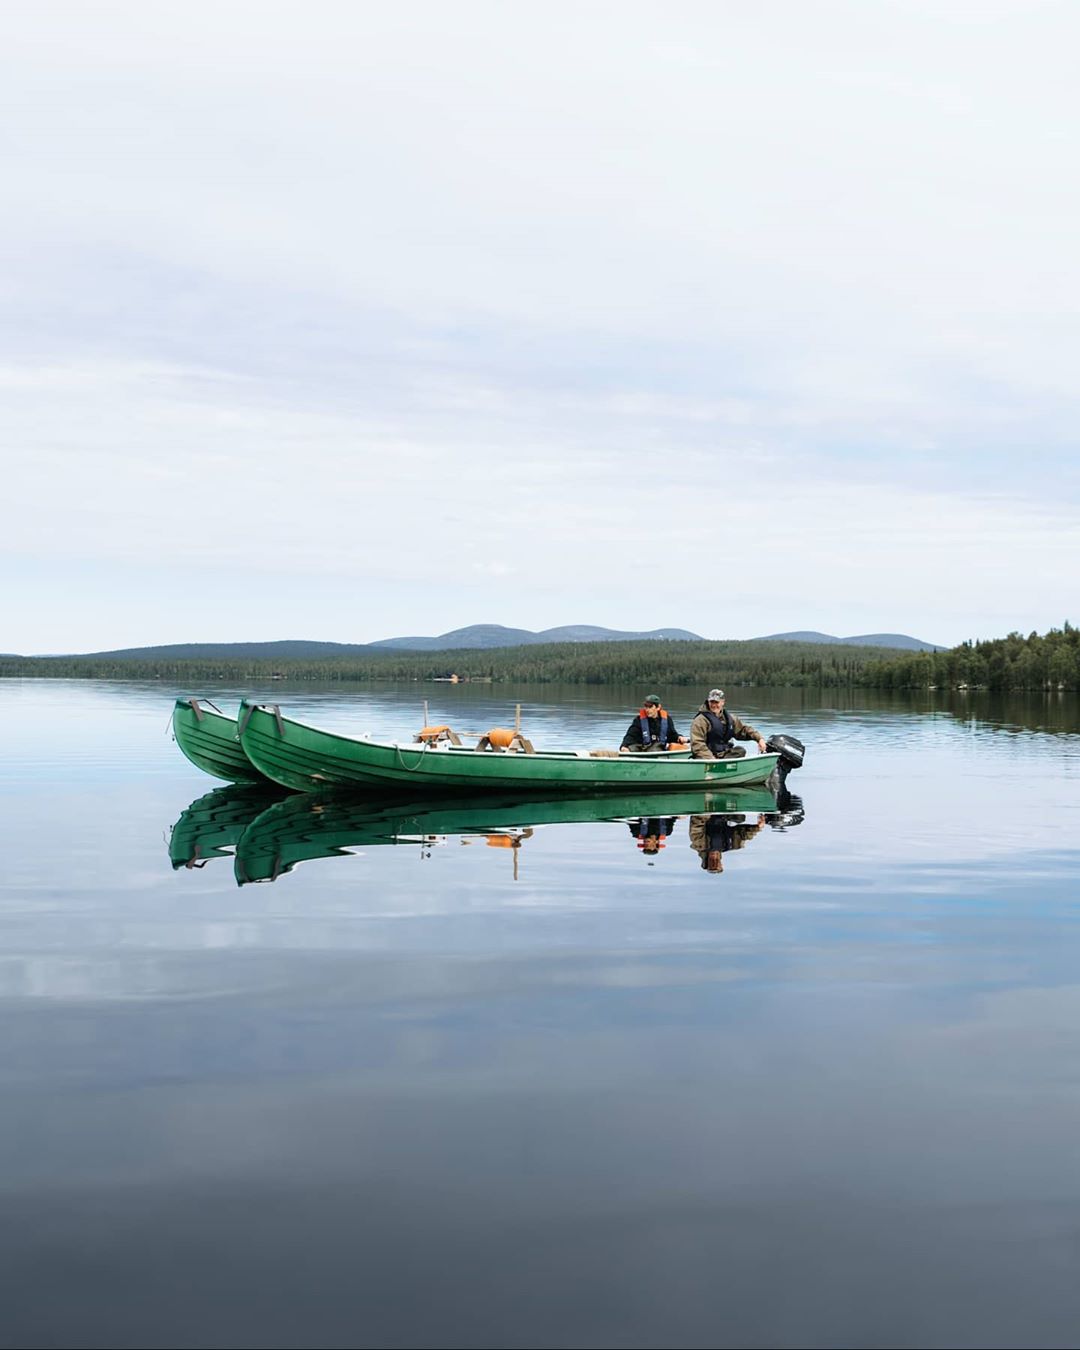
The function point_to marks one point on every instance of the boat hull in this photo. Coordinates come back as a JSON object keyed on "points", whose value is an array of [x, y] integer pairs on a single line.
{"points": [[210, 740], [306, 759]]}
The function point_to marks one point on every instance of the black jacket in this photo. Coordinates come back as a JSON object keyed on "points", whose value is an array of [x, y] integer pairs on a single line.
{"points": [[633, 732]]}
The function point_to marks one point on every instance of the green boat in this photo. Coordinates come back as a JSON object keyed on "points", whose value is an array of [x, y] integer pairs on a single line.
{"points": [[210, 741], [212, 825], [309, 826], [307, 760]]}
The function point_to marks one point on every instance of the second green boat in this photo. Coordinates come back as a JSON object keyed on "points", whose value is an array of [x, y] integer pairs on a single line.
{"points": [[307, 760]]}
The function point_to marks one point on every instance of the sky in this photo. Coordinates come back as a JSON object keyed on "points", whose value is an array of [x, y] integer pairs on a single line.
{"points": [[342, 321]]}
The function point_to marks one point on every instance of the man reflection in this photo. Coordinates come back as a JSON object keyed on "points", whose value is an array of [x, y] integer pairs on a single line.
{"points": [[652, 832], [713, 836]]}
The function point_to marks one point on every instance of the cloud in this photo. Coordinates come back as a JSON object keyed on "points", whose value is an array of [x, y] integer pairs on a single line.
{"points": [[579, 291]]}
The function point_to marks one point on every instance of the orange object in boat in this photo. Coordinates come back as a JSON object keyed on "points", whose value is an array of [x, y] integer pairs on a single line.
{"points": [[432, 733]]}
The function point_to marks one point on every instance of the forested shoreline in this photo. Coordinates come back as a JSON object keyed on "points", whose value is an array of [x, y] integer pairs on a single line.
{"points": [[1013, 663], [652, 662], [1050, 661]]}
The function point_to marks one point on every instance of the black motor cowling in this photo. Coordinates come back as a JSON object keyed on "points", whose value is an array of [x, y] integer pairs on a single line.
{"points": [[789, 749]]}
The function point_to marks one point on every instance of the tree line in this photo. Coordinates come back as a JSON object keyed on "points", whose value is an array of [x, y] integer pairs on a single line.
{"points": [[1050, 661], [811, 665]]}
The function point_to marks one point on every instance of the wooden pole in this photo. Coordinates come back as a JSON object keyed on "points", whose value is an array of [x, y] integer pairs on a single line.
{"points": [[427, 723]]}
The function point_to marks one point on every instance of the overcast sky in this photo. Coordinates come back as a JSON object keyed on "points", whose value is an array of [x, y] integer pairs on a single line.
{"points": [[343, 321]]}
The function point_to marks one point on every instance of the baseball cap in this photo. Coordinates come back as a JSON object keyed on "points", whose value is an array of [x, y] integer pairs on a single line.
{"points": [[715, 693]]}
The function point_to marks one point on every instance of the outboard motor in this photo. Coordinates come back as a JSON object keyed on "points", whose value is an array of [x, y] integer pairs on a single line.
{"points": [[791, 752]]}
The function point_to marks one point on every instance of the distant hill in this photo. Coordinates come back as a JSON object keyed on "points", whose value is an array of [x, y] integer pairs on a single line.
{"points": [[645, 664], [481, 635], [899, 640], [291, 650]]}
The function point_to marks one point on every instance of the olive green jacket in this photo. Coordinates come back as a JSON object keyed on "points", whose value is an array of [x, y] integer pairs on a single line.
{"points": [[699, 731]]}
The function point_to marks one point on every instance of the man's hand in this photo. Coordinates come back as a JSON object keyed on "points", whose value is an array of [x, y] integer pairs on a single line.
{"points": [[761, 744]]}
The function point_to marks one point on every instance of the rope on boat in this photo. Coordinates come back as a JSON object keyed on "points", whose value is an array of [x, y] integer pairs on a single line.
{"points": [[413, 769]]}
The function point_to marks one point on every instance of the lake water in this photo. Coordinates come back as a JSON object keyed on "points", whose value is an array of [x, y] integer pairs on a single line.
{"points": [[525, 1082]]}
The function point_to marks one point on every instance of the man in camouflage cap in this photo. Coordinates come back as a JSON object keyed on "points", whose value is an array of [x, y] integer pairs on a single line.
{"points": [[714, 731]]}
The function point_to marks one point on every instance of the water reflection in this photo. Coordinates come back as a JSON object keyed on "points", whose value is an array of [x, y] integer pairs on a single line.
{"points": [[212, 825], [714, 833], [652, 833], [268, 834], [829, 1096]]}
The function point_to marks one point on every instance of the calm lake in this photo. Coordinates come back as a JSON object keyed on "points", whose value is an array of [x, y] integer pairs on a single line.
{"points": [[358, 1076]]}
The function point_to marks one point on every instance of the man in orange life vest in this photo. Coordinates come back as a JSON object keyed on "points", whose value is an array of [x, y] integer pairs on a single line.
{"points": [[651, 729]]}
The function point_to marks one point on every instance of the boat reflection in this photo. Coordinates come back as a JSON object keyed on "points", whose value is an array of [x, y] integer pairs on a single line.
{"points": [[306, 826], [212, 825]]}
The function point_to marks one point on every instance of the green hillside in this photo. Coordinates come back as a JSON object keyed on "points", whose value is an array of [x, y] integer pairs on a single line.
{"points": [[1050, 661], [652, 661]]}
